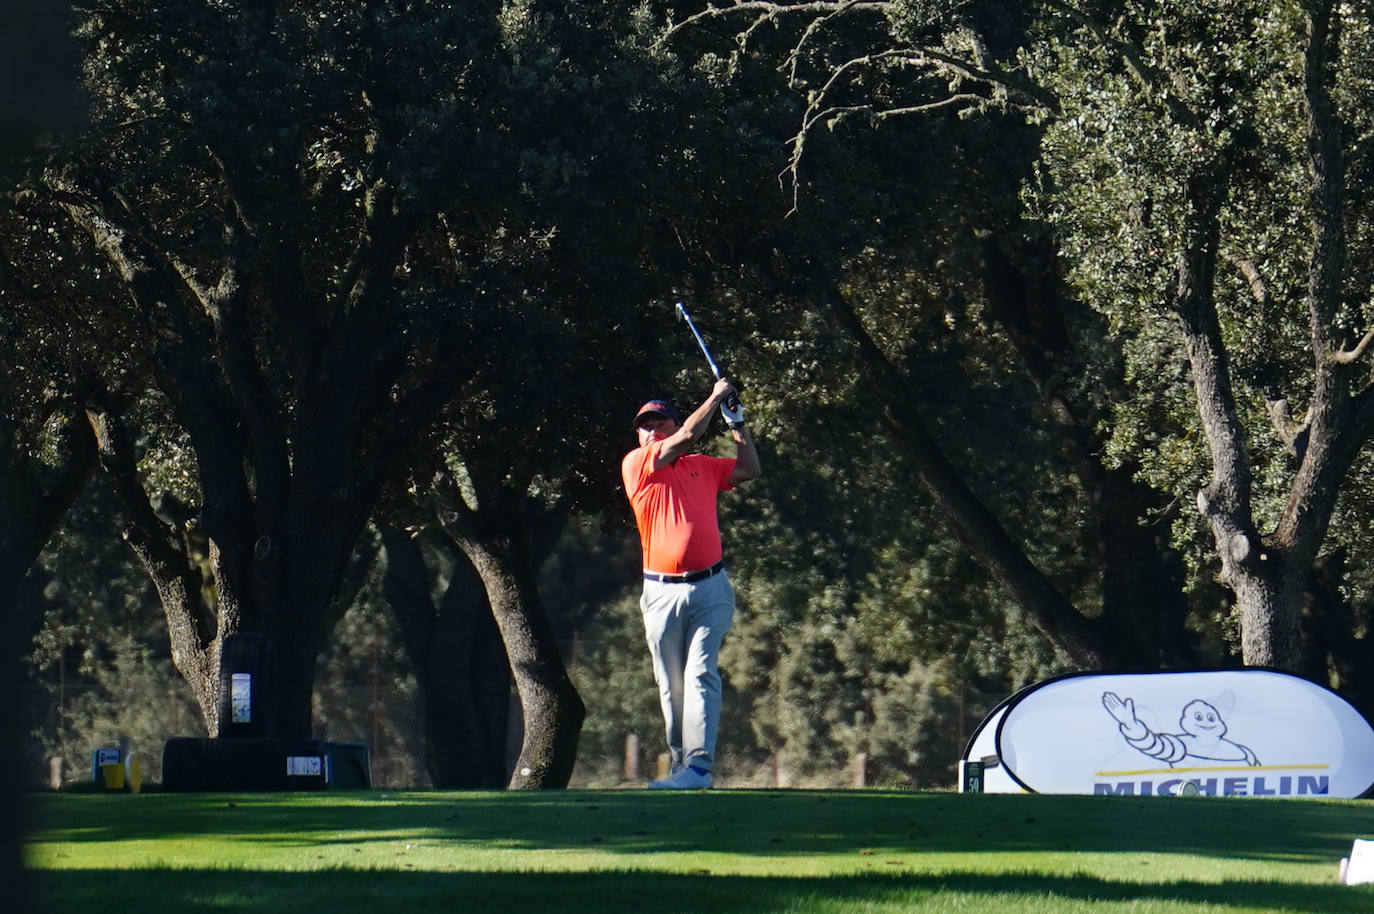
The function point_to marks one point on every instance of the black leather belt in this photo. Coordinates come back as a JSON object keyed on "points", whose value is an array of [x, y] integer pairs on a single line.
{"points": [[688, 577]]}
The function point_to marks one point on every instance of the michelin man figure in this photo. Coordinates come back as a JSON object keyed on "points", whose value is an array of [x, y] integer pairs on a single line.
{"points": [[1203, 736]]}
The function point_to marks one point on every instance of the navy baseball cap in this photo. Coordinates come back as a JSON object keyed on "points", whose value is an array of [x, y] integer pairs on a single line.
{"points": [[658, 408]]}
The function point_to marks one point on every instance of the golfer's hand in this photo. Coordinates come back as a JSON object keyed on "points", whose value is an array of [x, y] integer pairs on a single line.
{"points": [[726, 393], [733, 417]]}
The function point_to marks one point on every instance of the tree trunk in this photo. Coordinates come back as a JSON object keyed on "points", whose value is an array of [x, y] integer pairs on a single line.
{"points": [[194, 633], [1144, 612], [550, 706], [1048, 609], [459, 661], [1270, 627]]}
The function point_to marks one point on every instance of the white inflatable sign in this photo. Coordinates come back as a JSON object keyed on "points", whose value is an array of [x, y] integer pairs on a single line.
{"points": [[1250, 732]]}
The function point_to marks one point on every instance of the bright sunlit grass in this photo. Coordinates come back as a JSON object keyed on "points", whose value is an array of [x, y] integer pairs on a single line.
{"points": [[722, 851]]}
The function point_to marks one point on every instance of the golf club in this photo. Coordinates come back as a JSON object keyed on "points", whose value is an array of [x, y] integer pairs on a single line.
{"points": [[733, 400]]}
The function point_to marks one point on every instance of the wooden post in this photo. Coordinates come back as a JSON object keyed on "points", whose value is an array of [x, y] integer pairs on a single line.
{"points": [[780, 776], [861, 769], [375, 687], [631, 757]]}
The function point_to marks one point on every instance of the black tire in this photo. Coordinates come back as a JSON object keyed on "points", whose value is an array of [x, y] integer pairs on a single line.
{"points": [[246, 763], [350, 766]]}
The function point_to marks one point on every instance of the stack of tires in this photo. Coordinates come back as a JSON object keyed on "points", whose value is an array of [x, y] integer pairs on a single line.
{"points": [[247, 755]]}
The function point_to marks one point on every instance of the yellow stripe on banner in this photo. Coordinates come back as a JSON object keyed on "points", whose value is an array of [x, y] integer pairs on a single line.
{"points": [[1118, 774]]}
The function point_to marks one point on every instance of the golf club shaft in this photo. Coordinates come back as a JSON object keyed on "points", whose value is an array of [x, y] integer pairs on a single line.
{"points": [[682, 312], [732, 400]]}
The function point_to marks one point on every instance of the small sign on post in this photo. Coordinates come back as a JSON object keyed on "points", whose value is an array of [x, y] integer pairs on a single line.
{"points": [[970, 776]]}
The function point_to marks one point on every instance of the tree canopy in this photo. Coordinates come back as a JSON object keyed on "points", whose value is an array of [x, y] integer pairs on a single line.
{"points": [[1054, 317], [1158, 129]]}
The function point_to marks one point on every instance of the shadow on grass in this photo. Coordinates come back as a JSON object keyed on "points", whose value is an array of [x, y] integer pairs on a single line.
{"points": [[775, 823], [383, 892]]}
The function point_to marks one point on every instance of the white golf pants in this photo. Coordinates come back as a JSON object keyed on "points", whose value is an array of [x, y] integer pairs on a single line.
{"points": [[684, 625]]}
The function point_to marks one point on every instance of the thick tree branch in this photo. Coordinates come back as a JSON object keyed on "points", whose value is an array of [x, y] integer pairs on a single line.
{"points": [[188, 374], [1326, 164], [30, 514], [1254, 279], [1350, 356], [162, 554], [1193, 301], [227, 305], [187, 371], [1292, 433], [1334, 436], [971, 520]]}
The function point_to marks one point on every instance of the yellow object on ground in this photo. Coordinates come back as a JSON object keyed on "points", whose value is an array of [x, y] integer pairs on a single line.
{"points": [[113, 773], [133, 772]]}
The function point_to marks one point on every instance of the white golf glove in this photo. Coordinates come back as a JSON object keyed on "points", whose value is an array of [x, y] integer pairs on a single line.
{"points": [[733, 411]]}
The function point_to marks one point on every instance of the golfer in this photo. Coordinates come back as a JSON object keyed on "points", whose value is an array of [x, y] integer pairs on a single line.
{"points": [[688, 603]]}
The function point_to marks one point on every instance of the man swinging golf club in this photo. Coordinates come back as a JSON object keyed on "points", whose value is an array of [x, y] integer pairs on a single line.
{"points": [[688, 603]]}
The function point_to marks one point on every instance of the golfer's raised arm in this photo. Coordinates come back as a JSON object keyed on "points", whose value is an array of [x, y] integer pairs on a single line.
{"points": [[694, 426], [746, 456]]}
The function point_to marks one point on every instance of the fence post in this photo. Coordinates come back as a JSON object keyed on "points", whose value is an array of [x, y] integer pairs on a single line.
{"points": [[631, 757]]}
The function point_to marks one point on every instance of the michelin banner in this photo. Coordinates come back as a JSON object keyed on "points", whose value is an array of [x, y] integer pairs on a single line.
{"points": [[1250, 732]]}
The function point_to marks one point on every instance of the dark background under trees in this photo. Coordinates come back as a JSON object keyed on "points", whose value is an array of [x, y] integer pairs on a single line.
{"points": [[327, 320]]}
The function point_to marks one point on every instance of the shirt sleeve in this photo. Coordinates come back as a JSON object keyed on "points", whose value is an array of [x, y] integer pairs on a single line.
{"points": [[635, 469], [723, 467]]}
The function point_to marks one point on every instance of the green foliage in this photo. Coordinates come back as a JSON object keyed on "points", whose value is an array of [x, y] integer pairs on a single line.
{"points": [[135, 701], [612, 672], [367, 691], [1216, 79], [1000, 24], [556, 179], [99, 670]]}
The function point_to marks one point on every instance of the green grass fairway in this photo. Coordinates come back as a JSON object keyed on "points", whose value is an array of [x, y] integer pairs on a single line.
{"points": [[723, 851]]}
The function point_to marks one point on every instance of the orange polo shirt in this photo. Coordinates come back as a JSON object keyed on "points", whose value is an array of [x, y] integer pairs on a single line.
{"points": [[675, 507]]}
